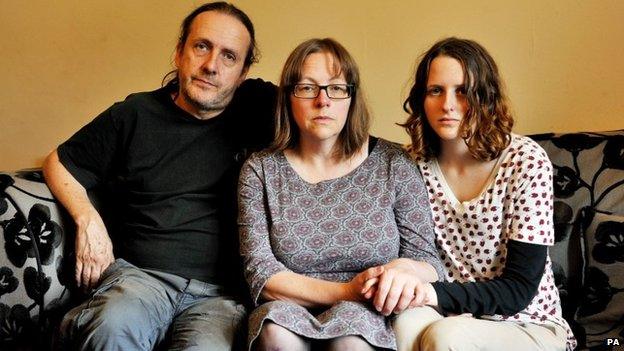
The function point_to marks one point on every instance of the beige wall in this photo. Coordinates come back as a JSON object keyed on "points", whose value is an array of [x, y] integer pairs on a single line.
{"points": [[63, 62]]}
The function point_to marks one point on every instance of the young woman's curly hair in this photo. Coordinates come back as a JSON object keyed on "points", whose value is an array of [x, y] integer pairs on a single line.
{"points": [[487, 125]]}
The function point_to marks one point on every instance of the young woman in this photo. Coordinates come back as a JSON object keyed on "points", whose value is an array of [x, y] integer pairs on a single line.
{"points": [[329, 212], [490, 192]]}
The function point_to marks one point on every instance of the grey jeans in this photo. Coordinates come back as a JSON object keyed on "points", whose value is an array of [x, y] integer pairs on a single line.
{"points": [[140, 309]]}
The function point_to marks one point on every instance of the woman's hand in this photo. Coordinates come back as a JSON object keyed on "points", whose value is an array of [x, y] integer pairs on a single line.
{"points": [[362, 286], [399, 287]]}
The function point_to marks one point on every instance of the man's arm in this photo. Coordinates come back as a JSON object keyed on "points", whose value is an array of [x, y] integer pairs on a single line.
{"points": [[94, 249]]}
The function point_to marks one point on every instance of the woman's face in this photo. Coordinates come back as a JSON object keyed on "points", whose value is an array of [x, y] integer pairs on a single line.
{"points": [[445, 98], [320, 118]]}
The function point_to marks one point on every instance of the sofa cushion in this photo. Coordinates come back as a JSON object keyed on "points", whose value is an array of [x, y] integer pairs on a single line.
{"points": [[601, 312]]}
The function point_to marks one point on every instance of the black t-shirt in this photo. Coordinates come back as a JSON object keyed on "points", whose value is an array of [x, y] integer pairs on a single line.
{"points": [[173, 176]]}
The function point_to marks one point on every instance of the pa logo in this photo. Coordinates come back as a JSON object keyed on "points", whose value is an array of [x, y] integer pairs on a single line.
{"points": [[613, 342]]}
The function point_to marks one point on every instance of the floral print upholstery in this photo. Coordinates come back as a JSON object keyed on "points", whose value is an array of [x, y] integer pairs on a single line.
{"points": [[32, 288], [588, 177], [601, 311]]}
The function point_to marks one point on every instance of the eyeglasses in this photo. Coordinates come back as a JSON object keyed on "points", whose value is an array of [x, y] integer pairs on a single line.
{"points": [[334, 91]]}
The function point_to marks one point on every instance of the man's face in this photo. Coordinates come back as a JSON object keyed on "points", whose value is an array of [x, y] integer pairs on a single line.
{"points": [[211, 63]]}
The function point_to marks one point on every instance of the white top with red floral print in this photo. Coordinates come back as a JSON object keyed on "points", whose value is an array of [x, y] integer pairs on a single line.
{"points": [[516, 204]]}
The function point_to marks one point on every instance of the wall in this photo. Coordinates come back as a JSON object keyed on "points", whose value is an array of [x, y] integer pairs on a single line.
{"points": [[64, 62]]}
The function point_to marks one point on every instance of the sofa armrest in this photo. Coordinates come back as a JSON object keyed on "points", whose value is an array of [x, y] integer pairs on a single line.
{"points": [[35, 267]]}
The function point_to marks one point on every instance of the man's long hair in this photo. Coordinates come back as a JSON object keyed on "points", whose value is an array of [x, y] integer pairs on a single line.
{"points": [[171, 78]]}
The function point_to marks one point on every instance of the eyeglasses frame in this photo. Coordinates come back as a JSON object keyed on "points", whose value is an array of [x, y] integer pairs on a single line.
{"points": [[350, 88]]}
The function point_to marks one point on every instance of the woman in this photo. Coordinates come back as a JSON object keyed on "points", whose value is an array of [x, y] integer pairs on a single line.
{"points": [[331, 220], [491, 196]]}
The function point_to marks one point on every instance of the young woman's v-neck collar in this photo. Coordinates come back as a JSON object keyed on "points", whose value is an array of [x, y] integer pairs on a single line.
{"points": [[448, 192]]}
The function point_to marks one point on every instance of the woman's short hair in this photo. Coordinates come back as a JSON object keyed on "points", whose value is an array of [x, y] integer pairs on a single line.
{"points": [[355, 132], [487, 125]]}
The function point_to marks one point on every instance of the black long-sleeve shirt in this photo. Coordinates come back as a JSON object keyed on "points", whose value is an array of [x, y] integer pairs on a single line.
{"points": [[506, 294]]}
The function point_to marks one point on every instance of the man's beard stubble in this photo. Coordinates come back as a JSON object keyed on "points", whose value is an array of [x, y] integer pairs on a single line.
{"points": [[217, 103]]}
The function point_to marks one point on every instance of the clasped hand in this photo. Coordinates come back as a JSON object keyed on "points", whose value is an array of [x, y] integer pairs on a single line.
{"points": [[392, 287]]}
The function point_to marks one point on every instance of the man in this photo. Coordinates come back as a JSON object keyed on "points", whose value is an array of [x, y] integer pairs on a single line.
{"points": [[170, 158]]}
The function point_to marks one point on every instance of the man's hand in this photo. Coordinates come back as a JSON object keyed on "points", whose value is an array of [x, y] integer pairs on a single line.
{"points": [[94, 251], [398, 288]]}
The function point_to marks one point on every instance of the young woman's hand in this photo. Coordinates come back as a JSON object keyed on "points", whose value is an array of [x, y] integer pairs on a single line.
{"points": [[424, 295]]}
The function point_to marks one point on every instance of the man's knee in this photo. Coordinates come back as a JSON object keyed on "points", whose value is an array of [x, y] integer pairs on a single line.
{"points": [[214, 324], [104, 322], [207, 337], [88, 323], [86, 329]]}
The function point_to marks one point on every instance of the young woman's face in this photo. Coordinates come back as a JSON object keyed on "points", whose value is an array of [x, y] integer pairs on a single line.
{"points": [[321, 118], [445, 98]]}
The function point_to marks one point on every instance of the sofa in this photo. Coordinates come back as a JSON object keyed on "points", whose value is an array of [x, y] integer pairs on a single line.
{"points": [[36, 238]]}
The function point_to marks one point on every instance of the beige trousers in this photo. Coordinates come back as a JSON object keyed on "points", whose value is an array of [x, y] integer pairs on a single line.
{"points": [[423, 328]]}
